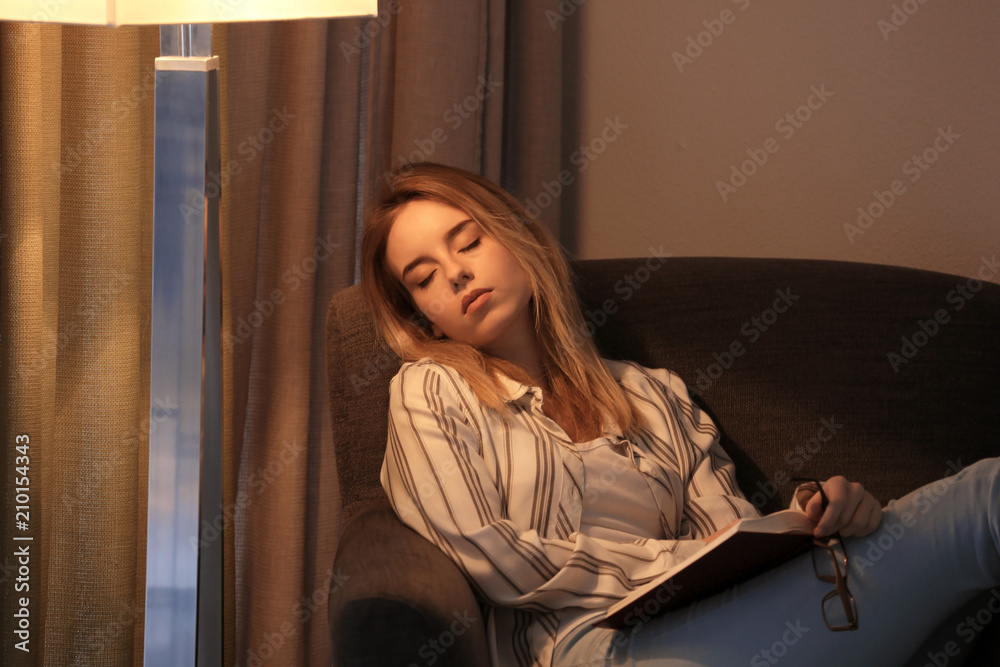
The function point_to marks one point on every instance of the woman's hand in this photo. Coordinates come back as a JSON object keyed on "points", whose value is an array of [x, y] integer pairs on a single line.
{"points": [[852, 511]]}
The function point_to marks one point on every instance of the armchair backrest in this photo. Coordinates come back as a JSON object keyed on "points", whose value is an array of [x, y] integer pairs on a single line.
{"points": [[809, 367]]}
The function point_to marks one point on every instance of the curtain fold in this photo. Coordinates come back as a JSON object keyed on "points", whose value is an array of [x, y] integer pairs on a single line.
{"points": [[294, 137], [220, 42], [533, 117], [437, 88], [476, 85], [75, 209]]}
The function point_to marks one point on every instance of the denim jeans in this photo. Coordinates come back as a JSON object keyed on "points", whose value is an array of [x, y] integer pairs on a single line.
{"points": [[936, 549]]}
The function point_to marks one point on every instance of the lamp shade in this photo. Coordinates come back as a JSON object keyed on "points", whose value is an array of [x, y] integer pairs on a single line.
{"points": [[148, 12]]}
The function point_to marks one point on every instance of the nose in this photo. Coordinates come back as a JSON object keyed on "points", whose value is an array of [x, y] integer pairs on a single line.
{"points": [[459, 274]]}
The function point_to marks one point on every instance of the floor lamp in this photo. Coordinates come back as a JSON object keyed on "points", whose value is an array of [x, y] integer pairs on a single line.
{"points": [[184, 572]]}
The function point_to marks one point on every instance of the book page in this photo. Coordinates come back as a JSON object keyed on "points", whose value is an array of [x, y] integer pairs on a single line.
{"points": [[785, 521]]}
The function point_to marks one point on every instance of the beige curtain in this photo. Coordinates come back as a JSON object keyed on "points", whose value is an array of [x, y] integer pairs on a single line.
{"points": [[75, 238], [313, 114]]}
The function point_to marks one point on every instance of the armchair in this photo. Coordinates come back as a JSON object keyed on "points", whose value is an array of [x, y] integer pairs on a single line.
{"points": [[887, 375]]}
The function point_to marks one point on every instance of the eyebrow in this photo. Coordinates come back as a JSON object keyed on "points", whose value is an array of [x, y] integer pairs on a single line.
{"points": [[448, 237]]}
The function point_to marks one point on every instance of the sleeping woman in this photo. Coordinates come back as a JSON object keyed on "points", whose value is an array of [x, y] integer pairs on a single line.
{"points": [[559, 481]]}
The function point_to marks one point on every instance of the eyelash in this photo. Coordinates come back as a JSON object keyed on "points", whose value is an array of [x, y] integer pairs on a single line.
{"points": [[427, 281]]}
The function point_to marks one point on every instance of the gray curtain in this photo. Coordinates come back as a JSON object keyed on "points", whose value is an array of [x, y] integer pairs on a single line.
{"points": [[477, 85]]}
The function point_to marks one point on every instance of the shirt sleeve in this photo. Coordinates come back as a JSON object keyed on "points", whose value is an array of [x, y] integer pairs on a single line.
{"points": [[439, 484], [802, 495], [712, 498]]}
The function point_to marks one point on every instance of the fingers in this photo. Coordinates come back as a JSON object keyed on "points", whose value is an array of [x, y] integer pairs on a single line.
{"points": [[852, 511], [837, 492], [814, 507]]}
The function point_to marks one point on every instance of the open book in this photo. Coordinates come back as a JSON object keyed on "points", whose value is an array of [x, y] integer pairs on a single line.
{"points": [[745, 549]]}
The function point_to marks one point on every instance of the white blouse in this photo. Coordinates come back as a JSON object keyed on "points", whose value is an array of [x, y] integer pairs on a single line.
{"points": [[504, 496]]}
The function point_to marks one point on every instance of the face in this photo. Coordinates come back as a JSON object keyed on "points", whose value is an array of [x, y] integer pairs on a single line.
{"points": [[468, 285]]}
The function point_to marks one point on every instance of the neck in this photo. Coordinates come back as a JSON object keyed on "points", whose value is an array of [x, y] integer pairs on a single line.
{"points": [[519, 346]]}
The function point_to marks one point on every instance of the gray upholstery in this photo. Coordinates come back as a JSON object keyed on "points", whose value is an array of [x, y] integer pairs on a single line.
{"points": [[809, 391]]}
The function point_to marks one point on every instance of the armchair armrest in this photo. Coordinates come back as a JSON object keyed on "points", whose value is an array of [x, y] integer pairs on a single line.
{"points": [[401, 600]]}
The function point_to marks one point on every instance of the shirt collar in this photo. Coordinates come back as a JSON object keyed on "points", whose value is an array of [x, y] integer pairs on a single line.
{"points": [[531, 396], [518, 392]]}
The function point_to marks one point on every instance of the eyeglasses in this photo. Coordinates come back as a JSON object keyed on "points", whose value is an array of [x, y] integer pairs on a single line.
{"points": [[840, 611]]}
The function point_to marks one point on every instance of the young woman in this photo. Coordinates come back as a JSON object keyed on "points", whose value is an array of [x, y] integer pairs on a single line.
{"points": [[559, 481]]}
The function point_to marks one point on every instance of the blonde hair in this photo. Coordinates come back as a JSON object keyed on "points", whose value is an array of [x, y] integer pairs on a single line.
{"points": [[572, 364]]}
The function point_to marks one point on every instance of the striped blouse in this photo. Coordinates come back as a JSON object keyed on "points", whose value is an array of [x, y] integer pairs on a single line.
{"points": [[501, 495]]}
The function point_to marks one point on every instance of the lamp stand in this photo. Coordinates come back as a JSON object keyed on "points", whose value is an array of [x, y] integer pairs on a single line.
{"points": [[184, 545]]}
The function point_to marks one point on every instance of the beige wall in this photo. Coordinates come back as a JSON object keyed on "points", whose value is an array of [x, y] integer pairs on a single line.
{"points": [[656, 181]]}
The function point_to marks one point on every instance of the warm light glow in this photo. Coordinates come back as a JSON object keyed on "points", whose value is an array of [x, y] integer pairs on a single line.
{"points": [[150, 12]]}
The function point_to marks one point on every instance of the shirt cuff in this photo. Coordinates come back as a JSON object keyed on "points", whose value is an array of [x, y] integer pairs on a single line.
{"points": [[803, 493]]}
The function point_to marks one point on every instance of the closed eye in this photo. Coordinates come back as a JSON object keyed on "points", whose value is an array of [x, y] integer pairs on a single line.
{"points": [[426, 281]]}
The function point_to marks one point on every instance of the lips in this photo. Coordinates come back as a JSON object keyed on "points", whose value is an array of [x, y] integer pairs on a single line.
{"points": [[472, 296]]}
